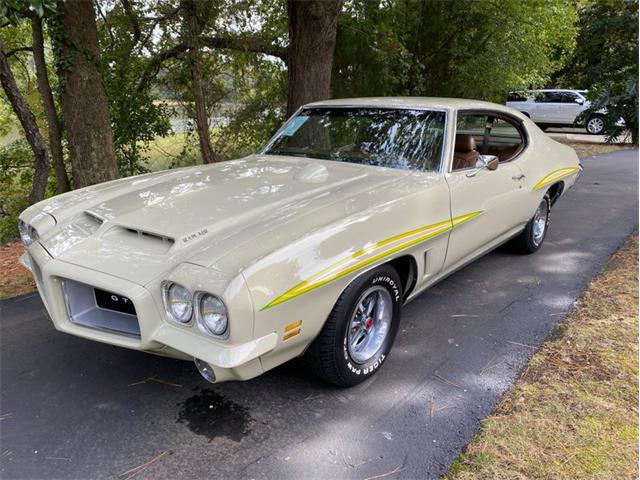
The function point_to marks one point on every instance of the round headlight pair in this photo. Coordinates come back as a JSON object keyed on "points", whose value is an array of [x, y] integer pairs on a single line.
{"points": [[28, 234], [211, 312]]}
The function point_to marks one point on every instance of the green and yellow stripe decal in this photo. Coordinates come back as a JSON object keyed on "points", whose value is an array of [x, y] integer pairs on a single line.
{"points": [[372, 254], [554, 176]]}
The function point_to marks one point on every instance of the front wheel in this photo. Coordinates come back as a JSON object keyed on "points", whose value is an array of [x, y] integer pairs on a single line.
{"points": [[531, 238], [359, 333]]}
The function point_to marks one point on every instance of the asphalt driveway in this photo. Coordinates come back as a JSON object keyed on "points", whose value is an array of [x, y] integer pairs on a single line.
{"points": [[77, 409]]}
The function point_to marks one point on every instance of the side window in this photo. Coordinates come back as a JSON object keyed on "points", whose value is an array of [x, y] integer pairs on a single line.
{"points": [[469, 135], [549, 97], [570, 97], [504, 139]]}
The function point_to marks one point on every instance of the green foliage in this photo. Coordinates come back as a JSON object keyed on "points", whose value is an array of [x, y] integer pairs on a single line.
{"points": [[259, 91], [245, 92], [136, 116], [371, 58], [454, 48], [606, 62], [16, 174], [15, 10], [607, 44], [258, 82], [619, 96]]}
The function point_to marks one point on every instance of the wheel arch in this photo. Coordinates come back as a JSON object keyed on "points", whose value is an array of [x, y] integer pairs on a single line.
{"points": [[555, 191], [407, 268]]}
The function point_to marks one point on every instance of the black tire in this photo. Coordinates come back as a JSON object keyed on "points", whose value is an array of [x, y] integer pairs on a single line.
{"points": [[528, 242], [329, 357], [595, 125]]}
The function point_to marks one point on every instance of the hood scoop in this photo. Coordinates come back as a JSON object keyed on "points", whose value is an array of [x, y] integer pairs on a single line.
{"points": [[148, 242], [90, 221]]}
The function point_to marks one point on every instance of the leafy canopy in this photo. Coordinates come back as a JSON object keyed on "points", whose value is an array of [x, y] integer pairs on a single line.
{"points": [[457, 48]]}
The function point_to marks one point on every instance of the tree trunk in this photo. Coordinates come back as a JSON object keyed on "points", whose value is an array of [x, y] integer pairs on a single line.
{"points": [[202, 118], [31, 131], [194, 28], [55, 135], [312, 40], [84, 99]]}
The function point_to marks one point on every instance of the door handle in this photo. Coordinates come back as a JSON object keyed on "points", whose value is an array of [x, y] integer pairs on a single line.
{"points": [[518, 177]]}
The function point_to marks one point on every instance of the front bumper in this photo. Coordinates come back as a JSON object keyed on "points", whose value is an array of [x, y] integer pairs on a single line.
{"points": [[229, 360]]}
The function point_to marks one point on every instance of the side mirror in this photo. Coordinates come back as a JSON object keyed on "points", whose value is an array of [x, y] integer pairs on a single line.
{"points": [[579, 101], [489, 162]]}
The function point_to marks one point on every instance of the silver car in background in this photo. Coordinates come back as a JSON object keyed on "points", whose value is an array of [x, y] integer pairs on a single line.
{"points": [[557, 108]]}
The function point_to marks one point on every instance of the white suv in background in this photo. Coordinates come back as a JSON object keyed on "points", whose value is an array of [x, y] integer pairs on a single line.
{"points": [[556, 108]]}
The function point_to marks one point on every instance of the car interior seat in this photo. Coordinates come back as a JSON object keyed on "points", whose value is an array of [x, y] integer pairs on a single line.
{"points": [[465, 154]]}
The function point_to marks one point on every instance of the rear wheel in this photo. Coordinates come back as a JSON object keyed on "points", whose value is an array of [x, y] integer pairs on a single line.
{"points": [[531, 238], [595, 125], [359, 333]]}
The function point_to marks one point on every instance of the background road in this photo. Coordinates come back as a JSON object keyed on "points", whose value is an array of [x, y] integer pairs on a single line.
{"points": [[76, 409]]}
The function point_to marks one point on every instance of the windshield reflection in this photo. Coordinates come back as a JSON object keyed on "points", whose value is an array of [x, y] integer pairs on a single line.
{"points": [[393, 138]]}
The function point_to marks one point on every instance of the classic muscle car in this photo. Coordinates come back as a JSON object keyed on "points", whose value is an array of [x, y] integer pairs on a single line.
{"points": [[307, 249]]}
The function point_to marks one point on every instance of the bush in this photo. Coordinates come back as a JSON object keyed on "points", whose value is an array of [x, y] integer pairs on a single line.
{"points": [[16, 174], [619, 97]]}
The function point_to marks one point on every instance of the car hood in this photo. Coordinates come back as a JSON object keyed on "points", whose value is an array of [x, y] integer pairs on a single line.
{"points": [[145, 225]]}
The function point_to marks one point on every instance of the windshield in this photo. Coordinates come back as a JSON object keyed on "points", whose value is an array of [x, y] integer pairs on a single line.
{"points": [[394, 138]]}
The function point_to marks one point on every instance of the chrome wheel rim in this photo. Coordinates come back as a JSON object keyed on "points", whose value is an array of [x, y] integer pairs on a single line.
{"points": [[595, 125], [369, 324], [540, 222]]}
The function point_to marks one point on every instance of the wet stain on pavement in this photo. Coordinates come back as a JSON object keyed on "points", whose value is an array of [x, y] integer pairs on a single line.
{"points": [[211, 415]]}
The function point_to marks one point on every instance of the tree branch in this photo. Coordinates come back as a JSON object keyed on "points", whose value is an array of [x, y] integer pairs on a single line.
{"points": [[156, 62], [135, 24], [245, 44], [16, 50], [106, 22], [156, 21]]}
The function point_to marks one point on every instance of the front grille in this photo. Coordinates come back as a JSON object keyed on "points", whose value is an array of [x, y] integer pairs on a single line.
{"points": [[111, 301], [96, 308]]}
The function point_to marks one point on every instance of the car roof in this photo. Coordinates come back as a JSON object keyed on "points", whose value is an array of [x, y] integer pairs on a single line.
{"points": [[559, 90], [412, 102]]}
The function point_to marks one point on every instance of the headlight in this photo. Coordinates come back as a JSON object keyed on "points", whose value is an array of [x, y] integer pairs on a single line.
{"points": [[28, 234], [211, 314], [177, 302]]}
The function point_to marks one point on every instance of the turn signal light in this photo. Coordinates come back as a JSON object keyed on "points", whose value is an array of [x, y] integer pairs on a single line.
{"points": [[292, 330]]}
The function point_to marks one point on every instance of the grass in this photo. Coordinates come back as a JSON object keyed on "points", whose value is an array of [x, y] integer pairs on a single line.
{"points": [[573, 414], [165, 151]]}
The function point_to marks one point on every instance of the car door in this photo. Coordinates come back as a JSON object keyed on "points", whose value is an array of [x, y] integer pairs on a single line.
{"points": [[548, 105], [486, 206], [572, 106]]}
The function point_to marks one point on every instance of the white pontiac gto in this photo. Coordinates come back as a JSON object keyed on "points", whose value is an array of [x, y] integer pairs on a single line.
{"points": [[309, 248]]}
